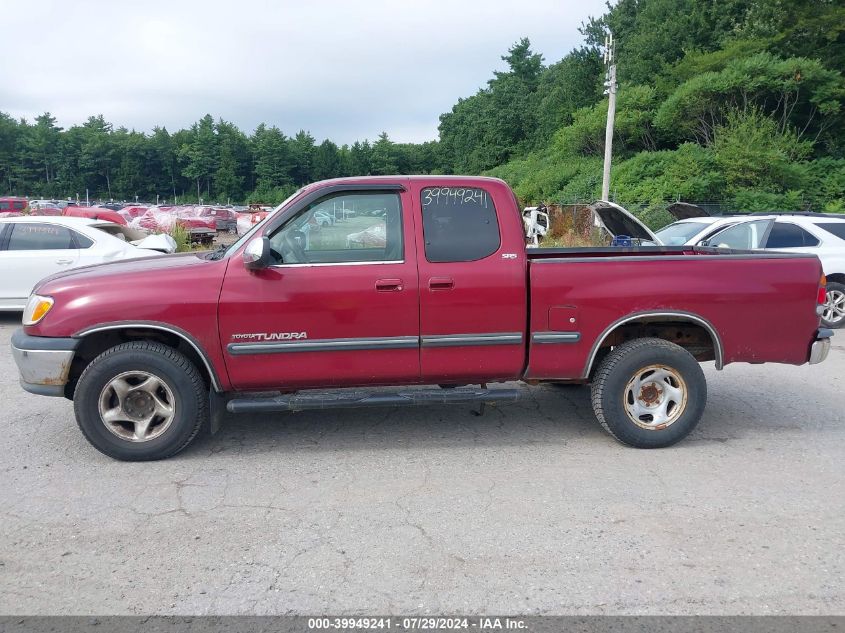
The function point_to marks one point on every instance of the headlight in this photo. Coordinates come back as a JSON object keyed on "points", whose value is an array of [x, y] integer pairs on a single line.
{"points": [[36, 309]]}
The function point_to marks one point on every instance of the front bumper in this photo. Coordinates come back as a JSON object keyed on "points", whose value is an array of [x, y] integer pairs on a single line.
{"points": [[43, 362], [821, 346]]}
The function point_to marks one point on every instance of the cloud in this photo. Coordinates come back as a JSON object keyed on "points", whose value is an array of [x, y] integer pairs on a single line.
{"points": [[340, 69]]}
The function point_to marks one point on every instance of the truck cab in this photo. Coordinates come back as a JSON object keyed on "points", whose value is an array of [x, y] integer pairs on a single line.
{"points": [[425, 275]]}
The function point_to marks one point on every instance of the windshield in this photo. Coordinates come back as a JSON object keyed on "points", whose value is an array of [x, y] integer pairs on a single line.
{"points": [[248, 235], [679, 233]]}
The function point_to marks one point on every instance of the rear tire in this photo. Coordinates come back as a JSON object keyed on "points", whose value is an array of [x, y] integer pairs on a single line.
{"points": [[649, 393], [834, 308], [140, 401]]}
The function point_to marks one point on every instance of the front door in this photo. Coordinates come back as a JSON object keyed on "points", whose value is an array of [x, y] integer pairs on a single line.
{"points": [[473, 299], [338, 307]]}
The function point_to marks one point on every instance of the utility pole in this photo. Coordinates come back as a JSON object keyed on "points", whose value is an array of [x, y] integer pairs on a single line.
{"points": [[610, 91]]}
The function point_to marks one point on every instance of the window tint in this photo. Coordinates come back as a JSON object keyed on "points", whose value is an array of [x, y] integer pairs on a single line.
{"points": [[742, 236], [346, 227], [5, 205], [82, 241], [678, 233], [459, 224], [710, 234], [788, 235], [34, 237], [835, 228], [19, 205]]}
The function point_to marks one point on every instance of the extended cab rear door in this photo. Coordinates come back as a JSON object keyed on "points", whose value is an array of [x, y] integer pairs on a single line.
{"points": [[472, 267]]}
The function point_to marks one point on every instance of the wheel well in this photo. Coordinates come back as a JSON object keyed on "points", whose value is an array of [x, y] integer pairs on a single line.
{"points": [[96, 343], [696, 338], [838, 278]]}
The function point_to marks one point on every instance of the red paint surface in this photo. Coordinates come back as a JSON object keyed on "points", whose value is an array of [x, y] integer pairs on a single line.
{"points": [[94, 213], [762, 308]]}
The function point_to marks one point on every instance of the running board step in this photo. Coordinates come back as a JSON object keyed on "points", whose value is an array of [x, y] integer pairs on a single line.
{"points": [[359, 399]]}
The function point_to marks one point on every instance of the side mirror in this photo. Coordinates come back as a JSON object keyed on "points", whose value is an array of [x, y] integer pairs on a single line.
{"points": [[257, 254]]}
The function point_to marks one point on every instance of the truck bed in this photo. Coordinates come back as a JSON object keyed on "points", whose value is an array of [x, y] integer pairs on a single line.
{"points": [[755, 306]]}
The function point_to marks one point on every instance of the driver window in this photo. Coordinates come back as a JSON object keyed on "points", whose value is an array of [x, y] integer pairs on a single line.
{"points": [[742, 236], [343, 228]]}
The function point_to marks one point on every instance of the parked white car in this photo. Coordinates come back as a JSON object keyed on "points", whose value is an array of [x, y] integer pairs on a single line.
{"points": [[818, 233], [322, 218], [34, 247]]}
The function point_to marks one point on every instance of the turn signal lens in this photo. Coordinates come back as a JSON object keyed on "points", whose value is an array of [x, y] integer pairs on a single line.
{"points": [[36, 309], [821, 298]]}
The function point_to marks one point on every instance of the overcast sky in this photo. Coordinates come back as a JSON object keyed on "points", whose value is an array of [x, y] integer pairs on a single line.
{"points": [[342, 70]]}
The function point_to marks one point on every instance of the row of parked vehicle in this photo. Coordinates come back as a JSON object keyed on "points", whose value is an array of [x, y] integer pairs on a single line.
{"points": [[202, 222]]}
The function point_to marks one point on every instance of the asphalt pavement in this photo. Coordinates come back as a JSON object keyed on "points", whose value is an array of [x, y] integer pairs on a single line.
{"points": [[528, 509]]}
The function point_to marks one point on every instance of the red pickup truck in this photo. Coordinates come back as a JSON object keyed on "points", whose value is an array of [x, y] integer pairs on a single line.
{"points": [[413, 281]]}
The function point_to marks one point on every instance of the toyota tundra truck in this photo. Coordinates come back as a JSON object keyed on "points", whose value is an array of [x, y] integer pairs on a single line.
{"points": [[419, 290]]}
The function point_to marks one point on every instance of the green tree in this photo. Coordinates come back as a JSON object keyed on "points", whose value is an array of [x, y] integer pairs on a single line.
{"points": [[302, 148], [383, 158], [327, 161], [796, 92], [234, 163], [752, 151], [360, 158], [567, 86], [273, 159], [499, 121], [199, 157], [10, 131], [98, 155]]}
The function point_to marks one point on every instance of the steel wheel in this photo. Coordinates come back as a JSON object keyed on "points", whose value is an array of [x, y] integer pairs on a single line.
{"points": [[655, 397], [834, 306], [137, 406]]}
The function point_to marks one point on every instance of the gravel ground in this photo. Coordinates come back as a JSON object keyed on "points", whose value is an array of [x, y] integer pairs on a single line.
{"points": [[531, 508]]}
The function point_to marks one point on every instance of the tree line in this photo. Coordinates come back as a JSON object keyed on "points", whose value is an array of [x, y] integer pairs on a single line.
{"points": [[737, 101], [211, 160]]}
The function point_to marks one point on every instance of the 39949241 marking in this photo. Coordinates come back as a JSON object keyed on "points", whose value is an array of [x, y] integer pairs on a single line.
{"points": [[348, 624]]}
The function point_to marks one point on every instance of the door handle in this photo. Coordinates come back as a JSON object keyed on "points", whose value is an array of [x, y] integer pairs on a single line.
{"points": [[441, 283], [64, 262], [389, 285]]}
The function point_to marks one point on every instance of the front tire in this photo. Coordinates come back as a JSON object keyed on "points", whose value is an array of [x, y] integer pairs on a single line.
{"points": [[833, 315], [649, 393], [140, 401]]}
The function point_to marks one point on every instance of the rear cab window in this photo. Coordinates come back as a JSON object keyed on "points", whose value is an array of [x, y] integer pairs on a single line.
{"points": [[459, 224]]}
